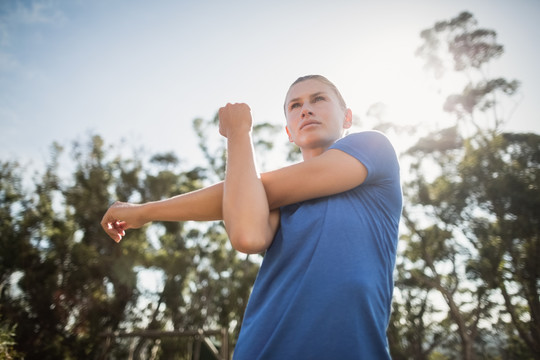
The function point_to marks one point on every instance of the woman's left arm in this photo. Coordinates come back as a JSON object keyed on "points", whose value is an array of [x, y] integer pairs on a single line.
{"points": [[332, 172], [249, 223]]}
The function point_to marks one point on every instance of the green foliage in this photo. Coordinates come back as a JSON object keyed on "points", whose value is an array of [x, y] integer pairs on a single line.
{"points": [[471, 214], [7, 342], [506, 175], [65, 283], [460, 47], [477, 96], [472, 236]]}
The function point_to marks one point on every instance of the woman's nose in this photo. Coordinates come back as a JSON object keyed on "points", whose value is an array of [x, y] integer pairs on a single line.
{"points": [[306, 110]]}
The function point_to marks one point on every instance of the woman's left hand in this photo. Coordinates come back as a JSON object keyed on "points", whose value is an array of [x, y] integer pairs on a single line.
{"points": [[234, 119]]}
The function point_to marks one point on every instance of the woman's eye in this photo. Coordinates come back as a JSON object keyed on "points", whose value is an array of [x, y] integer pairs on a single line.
{"points": [[318, 98], [295, 105]]}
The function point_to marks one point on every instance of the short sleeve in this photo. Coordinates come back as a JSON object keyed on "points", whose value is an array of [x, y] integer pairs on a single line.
{"points": [[374, 151]]}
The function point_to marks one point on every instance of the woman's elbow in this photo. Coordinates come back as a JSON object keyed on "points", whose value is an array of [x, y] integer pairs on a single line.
{"points": [[248, 243]]}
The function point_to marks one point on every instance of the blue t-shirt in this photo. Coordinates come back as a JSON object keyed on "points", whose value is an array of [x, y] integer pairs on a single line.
{"points": [[324, 289]]}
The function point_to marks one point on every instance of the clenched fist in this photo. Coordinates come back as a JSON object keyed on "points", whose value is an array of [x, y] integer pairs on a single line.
{"points": [[234, 119]]}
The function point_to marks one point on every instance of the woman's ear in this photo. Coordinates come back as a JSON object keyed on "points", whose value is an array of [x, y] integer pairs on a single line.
{"points": [[289, 134], [347, 122]]}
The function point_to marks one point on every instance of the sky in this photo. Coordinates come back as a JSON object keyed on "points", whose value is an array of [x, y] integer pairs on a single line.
{"points": [[138, 72]]}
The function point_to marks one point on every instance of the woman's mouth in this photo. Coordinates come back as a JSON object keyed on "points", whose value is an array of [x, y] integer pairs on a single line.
{"points": [[308, 123]]}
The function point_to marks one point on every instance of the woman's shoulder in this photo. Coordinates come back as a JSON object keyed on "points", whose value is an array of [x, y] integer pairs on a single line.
{"points": [[367, 138]]}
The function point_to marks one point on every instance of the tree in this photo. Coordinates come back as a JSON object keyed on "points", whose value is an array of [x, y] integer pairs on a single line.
{"points": [[462, 48], [506, 175], [13, 244], [448, 248], [64, 283], [70, 283]]}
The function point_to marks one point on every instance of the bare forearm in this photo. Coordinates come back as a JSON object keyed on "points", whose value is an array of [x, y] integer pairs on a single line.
{"points": [[245, 206], [199, 205]]}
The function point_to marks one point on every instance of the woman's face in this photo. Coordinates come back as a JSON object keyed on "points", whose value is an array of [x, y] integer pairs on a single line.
{"points": [[315, 118]]}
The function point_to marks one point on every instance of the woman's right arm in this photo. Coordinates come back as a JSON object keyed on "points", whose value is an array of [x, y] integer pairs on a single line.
{"points": [[199, 205], [330, 173]]}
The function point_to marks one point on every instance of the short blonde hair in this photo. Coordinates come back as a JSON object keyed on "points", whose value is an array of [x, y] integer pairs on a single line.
{"points": [[321, 79]]}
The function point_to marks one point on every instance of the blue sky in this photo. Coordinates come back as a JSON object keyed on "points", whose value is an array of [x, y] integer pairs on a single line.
{"points": [[141, 71]]}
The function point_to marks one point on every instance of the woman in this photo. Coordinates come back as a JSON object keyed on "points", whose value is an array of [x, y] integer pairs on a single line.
{"points": [[329, 226]]}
